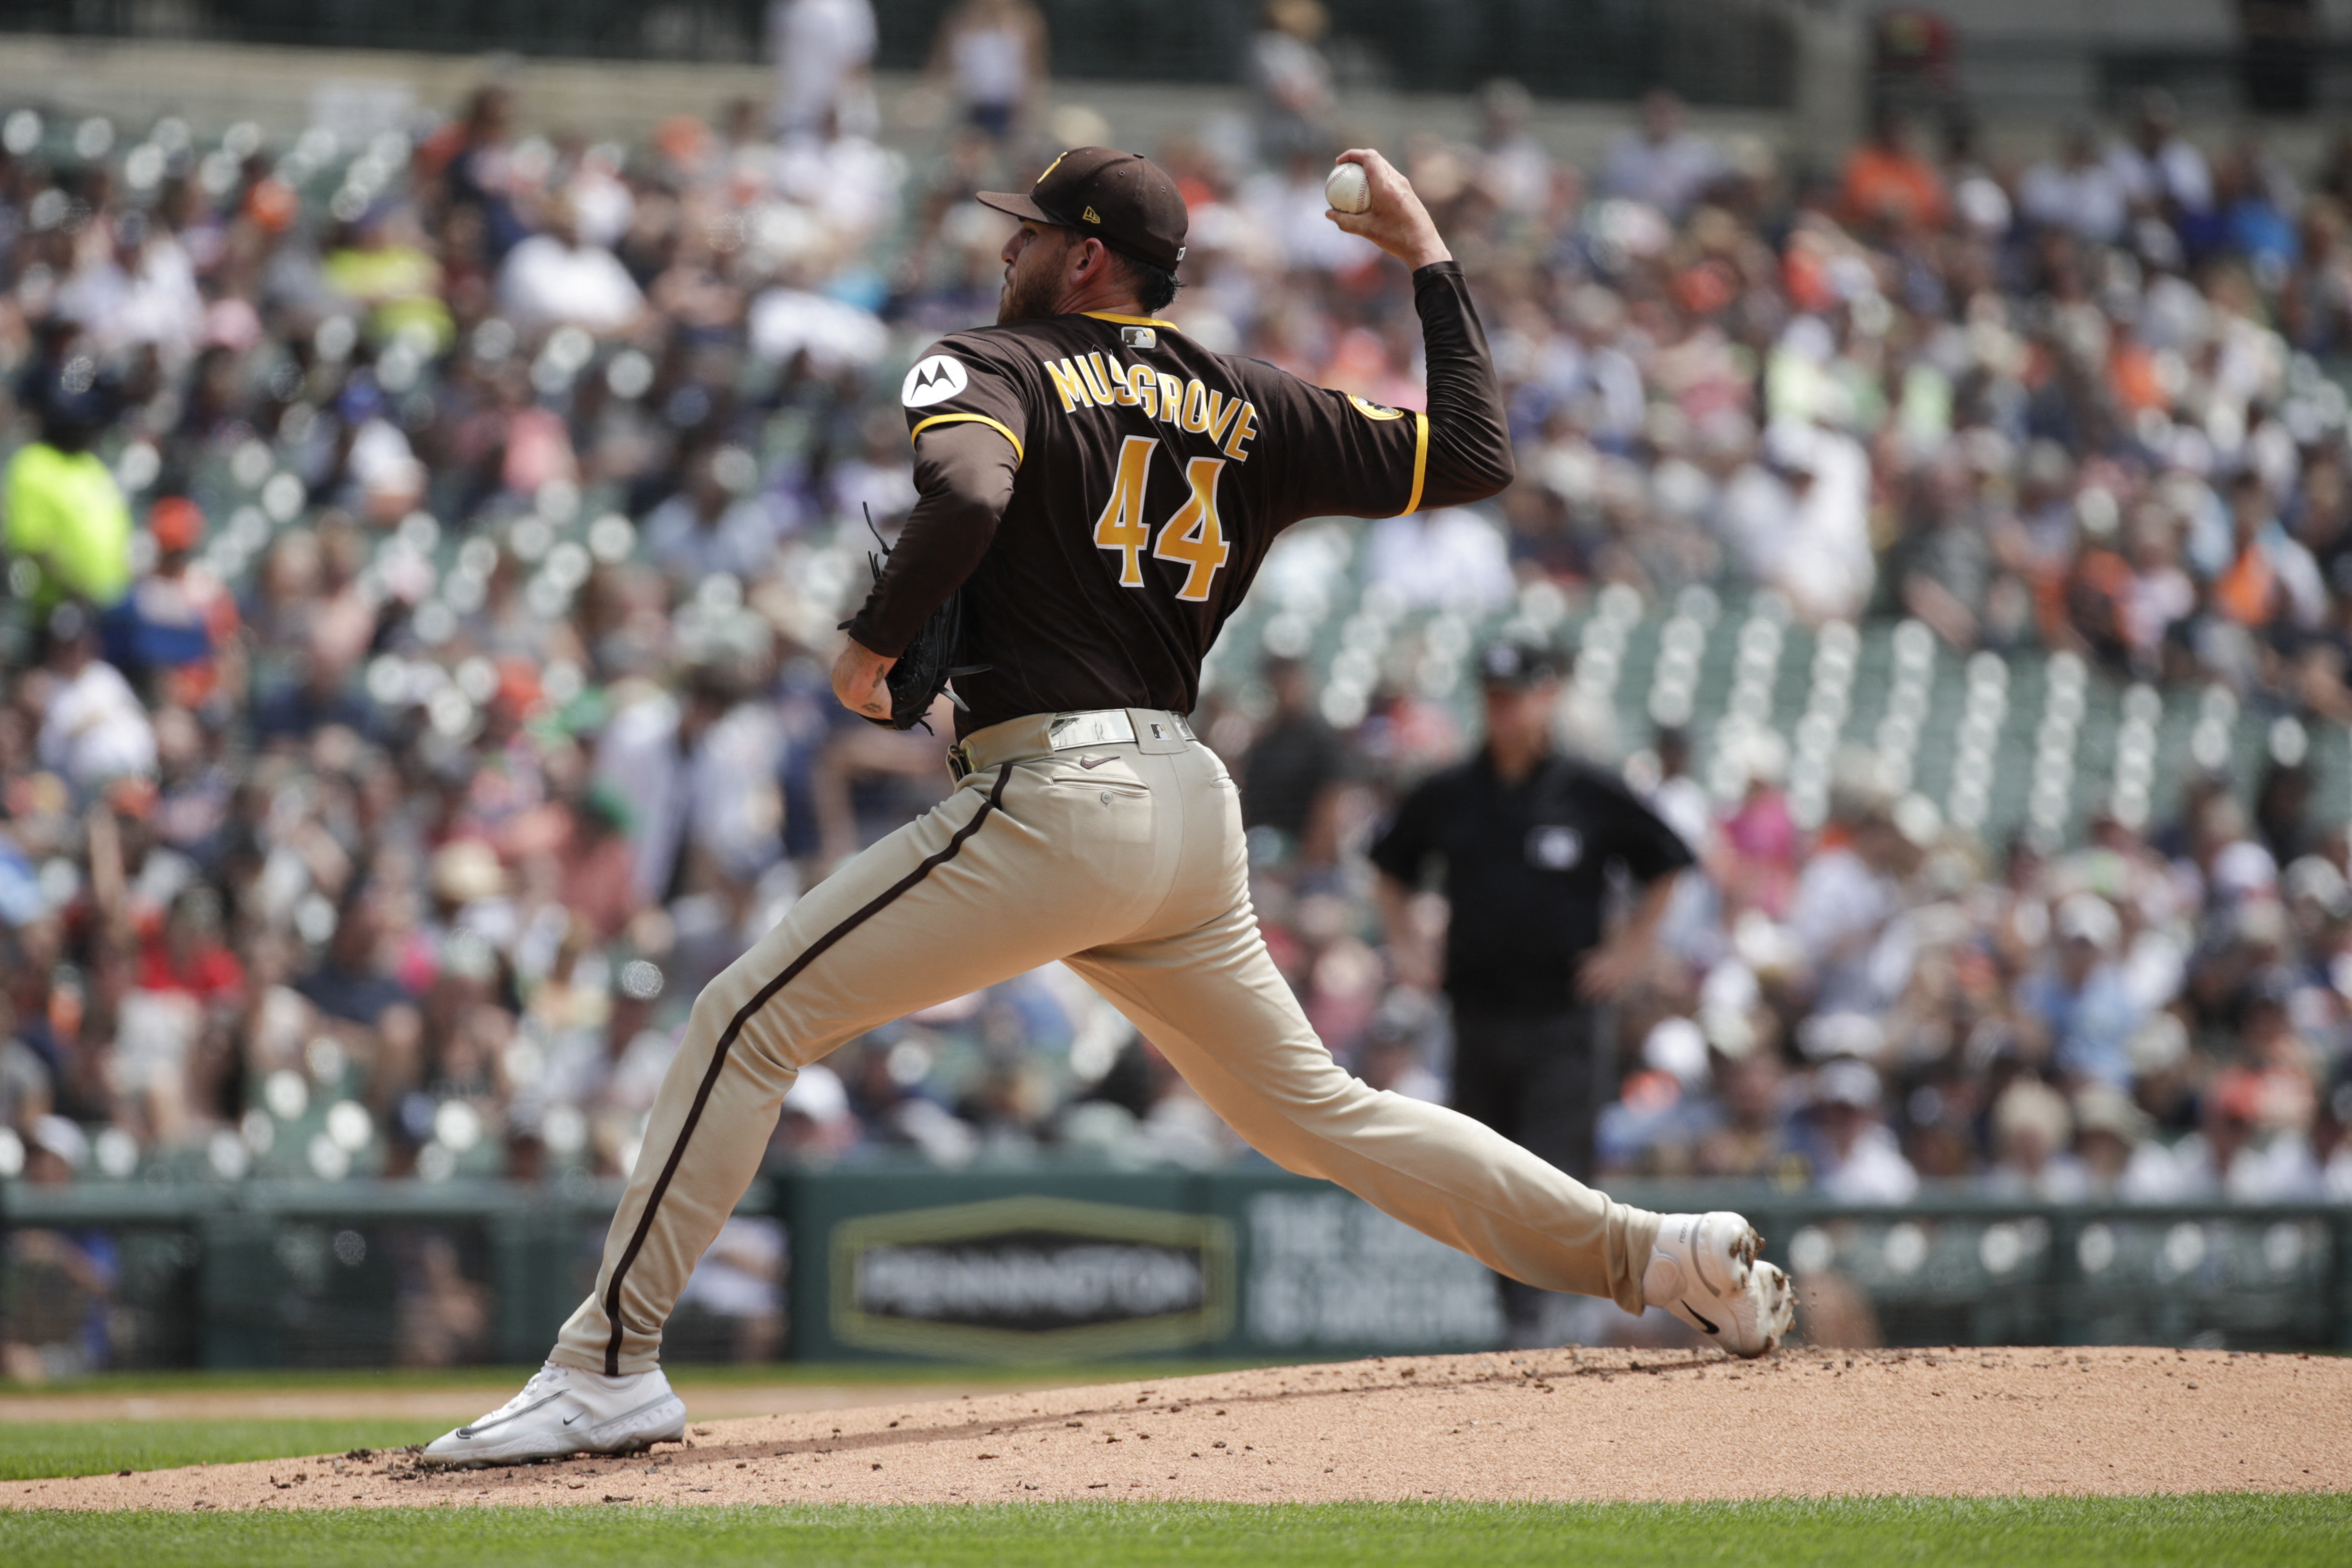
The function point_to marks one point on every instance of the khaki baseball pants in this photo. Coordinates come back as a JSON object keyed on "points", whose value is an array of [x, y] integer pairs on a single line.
{"points": [[1125, 860]]}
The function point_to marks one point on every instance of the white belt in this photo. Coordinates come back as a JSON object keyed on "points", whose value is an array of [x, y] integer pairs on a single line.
{"points": [[1102, 727], [1062, 732]]}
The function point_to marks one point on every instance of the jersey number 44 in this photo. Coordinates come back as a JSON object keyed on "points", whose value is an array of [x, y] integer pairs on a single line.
{"points": [[1193, 538]]}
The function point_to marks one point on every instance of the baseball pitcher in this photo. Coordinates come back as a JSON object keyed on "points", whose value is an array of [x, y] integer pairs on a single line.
{"points": [[1097, 492]]}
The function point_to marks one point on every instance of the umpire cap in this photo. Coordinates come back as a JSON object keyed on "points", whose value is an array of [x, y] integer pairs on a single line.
{"points": [[1516, 663], [1123, 199]]}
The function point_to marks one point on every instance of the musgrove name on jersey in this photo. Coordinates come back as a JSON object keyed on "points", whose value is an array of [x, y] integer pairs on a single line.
{"points": [[1088, 381]]}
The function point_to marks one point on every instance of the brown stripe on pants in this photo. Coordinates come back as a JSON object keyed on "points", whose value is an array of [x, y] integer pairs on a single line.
{"points": [[1133, 871]]}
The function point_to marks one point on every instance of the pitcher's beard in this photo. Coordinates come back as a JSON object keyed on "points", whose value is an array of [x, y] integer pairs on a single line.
{"points": [[1028, 296], [1023, 300]]}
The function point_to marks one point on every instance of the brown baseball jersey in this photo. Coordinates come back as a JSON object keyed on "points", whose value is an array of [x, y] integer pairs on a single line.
{"points": [[1147, 478]]}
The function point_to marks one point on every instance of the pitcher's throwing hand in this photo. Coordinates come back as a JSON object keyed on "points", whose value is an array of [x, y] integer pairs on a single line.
{"points": [[1396, 221]]}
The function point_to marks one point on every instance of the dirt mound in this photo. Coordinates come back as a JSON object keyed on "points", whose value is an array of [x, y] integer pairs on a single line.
{"points": [[1567, 1425]]}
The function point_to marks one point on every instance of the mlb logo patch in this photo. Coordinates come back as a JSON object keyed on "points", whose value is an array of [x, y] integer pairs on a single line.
{"points": [[1138, 337], [1555, 849]]}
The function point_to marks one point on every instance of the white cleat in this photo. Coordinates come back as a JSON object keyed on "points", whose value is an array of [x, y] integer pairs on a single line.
{"points": [[562, 1410], [1703, 1271]]}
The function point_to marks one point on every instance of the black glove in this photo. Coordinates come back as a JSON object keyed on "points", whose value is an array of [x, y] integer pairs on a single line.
{"points": [[926, 663]]}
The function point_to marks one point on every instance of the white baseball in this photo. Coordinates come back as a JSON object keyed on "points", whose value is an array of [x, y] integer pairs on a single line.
{"points": [[1348, 189]]}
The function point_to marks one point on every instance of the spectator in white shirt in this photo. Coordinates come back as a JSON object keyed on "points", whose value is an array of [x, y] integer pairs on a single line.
{"points": [[93, 728], [1824, 561], [1589, 366], [2241, 1153], [991, 55], [1513, 167], [640, 759], [1846, 899], [1855, 1158], [154, 298], [1291, 80], [2078, 190], [2160, 167], [555, 277], [2119, 1161], [2032, 1124], [823, 55], [1287, 205], [1661, 164], [1451, 556], [711, 524]]}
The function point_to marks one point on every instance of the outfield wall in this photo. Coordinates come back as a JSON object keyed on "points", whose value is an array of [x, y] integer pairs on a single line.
{"points": [[1071, 1266]]}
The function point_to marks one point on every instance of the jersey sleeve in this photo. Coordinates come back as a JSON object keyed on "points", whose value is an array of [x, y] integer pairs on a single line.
{"points": [[1638, 838], [1405, 847], [960, 381], [1340, 455]]}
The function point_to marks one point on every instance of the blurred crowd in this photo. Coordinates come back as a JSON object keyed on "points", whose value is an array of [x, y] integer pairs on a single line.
{"points": [[423, 551]]}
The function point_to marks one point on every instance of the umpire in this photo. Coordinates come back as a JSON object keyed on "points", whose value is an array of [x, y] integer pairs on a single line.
{"points": [[1527, 842]]}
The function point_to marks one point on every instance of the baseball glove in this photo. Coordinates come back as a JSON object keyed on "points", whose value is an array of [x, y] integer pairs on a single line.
{"points": [[926, 663]]}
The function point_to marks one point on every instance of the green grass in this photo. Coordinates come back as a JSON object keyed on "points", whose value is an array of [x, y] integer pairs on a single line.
{"points": [[2057, 1532], [30, 1450]]}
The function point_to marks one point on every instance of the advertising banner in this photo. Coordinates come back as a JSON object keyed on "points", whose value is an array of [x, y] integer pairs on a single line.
{"points": [[1067, 1267]]}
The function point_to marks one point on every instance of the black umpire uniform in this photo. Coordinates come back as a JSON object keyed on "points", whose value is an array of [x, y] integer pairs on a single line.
{"points": [[1527, 867]]}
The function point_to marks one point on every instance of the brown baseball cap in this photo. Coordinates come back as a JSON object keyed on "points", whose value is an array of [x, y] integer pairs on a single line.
{"points": [[1123, 199]]}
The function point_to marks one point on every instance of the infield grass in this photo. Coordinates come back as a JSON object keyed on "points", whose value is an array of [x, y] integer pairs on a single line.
{"points": [[35, 1450], [2048, 1533]]}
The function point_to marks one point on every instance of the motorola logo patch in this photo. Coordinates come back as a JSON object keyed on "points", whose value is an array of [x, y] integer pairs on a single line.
{"points": [[935, 380]]}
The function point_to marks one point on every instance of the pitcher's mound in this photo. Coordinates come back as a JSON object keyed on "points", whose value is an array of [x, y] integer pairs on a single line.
{"points": [[1551, 1426]]}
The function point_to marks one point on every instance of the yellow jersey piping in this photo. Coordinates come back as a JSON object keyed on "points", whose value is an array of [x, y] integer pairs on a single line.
{"points": [[1019, 456], [1131, 320], [1420, 461]]}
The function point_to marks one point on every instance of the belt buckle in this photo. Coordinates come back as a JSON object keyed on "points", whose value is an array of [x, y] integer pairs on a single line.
{"points": [[1099, 727], [960, 766]]}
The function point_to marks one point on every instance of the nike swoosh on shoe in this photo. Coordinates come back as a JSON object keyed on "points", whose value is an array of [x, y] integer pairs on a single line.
{"points": [[488, 1422]]}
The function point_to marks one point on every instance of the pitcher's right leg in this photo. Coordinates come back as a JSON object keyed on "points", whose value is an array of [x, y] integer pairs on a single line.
{"points": [[1197, 981]]}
